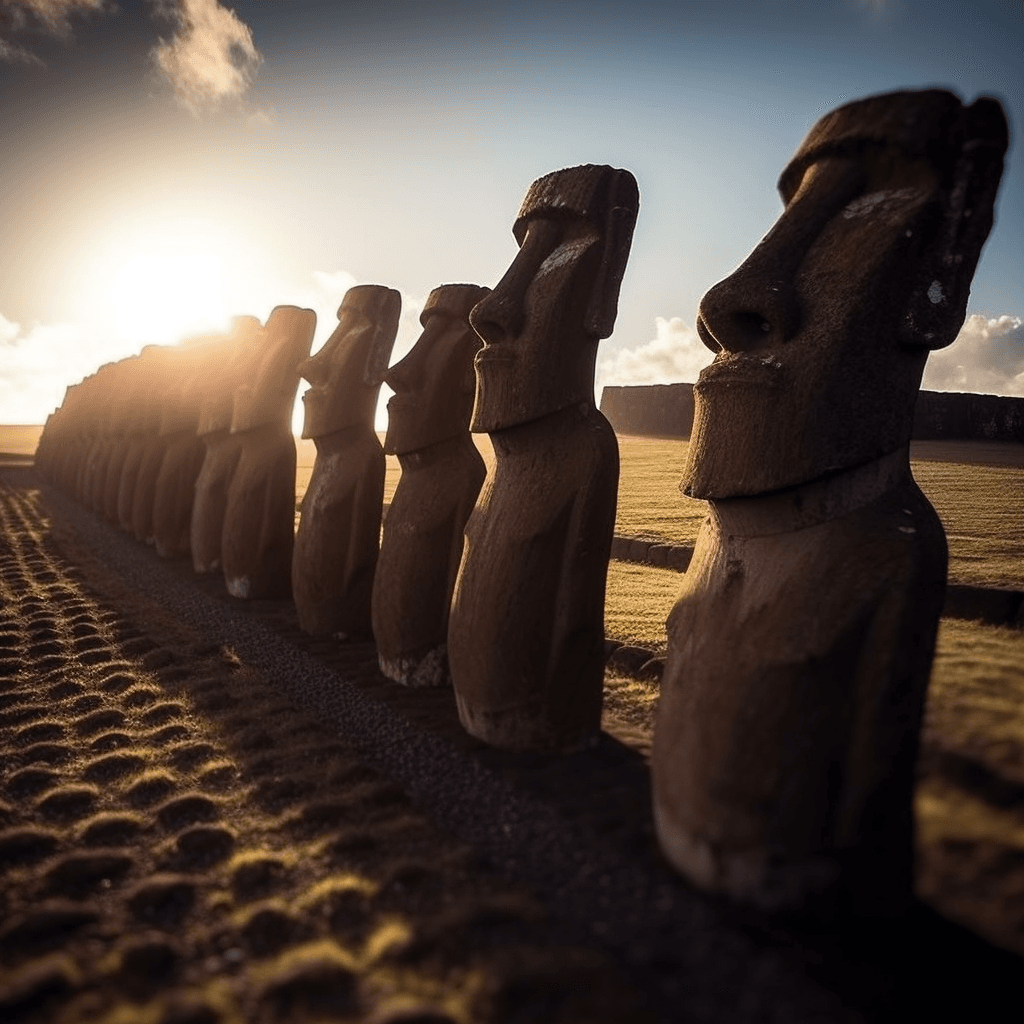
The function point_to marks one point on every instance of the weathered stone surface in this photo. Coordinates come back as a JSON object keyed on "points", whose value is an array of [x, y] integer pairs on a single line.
{"points": [[442, 472], [339, 526], [222, 448], [800, 647], [153, 444], [526, 634], [256, 544], [194, 367], [206, 528]]}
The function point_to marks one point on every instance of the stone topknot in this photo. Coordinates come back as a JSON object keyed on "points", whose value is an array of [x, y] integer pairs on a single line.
{"points": [[930, 124], [590, 191]]}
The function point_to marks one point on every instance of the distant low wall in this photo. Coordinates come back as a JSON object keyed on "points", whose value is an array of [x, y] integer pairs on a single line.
{"points": [[948, 416], [666, 410], [651, 410]]}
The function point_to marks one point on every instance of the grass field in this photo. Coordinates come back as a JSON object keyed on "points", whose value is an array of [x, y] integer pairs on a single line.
{"points": [[19, 439], [981, 506]]}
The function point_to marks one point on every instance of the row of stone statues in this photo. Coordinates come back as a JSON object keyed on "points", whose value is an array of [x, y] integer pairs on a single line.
{"points": [[800, 647]]}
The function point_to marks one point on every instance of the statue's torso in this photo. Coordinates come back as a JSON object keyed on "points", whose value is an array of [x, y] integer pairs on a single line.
{"points": [[526, 637]]}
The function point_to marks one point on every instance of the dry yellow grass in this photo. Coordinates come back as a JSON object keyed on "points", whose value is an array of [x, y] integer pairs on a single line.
{"points": [[19, 439], [977, 691], [982, 510], [981, 507], [650, 504], [637, 602], [975, 695]]}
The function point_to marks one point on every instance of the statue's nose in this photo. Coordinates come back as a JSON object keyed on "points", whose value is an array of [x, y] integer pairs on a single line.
{"points": [[310, 369], [499, 317], [756, 306]]}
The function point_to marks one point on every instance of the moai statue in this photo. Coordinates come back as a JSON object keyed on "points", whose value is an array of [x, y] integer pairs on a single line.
{"points": [[442, 473], [142, 422], [120, 438], [526, 633], [159, 393], [63, 436], [259, 520], [45, 447], [107, 385], [229, 368], [339, 525], [801, 644], [185, 450]]}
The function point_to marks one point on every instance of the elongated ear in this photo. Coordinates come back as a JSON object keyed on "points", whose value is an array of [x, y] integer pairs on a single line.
{"points": [[938, 302], [385, 329], [603, 306]]}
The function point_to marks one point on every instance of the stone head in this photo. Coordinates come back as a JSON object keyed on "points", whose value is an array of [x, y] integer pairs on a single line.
{"points": [[821, 335], [268, 395], [225, 370], [151, 374], [347, 372], [191, 366], [541, 323], [435, 383]]}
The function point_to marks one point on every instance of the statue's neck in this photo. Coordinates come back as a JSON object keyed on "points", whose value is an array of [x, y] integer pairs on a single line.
{"points": [[819, 501], [554, 428], [449, 448], [339, 440]]}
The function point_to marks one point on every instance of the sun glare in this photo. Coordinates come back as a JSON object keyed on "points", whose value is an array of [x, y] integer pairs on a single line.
{"points": [[162, 298]]}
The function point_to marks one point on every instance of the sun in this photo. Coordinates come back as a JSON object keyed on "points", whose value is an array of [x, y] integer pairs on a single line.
{"points": [[163, 297]]}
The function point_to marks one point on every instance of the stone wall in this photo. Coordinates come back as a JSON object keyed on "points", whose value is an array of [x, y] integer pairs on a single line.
{"points": [[666, 410], [941, 415], [652, 410]]}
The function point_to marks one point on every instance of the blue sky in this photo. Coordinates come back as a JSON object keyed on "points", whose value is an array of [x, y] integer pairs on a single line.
{"points": [[167, 165]]}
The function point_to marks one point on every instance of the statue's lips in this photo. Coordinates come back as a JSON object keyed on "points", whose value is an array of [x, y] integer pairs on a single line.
{"points": [[742, 371], [402, 406], [488, 355]]}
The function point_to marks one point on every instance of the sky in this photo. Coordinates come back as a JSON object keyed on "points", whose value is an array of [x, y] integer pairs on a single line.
{"points": [[167, 164]]}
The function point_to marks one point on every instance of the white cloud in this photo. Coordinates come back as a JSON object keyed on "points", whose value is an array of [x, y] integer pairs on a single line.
{"points": [[38, 363], [51, 16], [986, 358], [675, 354], [211, 57], [11, 53]]}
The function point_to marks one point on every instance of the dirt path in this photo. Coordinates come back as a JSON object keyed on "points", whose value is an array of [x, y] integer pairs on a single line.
{"points": [[179, 842]]}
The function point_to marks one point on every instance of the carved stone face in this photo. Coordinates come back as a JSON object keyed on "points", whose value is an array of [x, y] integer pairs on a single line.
{"points": [[821, 335], [269, 397], [435, 383], [226, 370], [346, 373], [541, 323]]}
